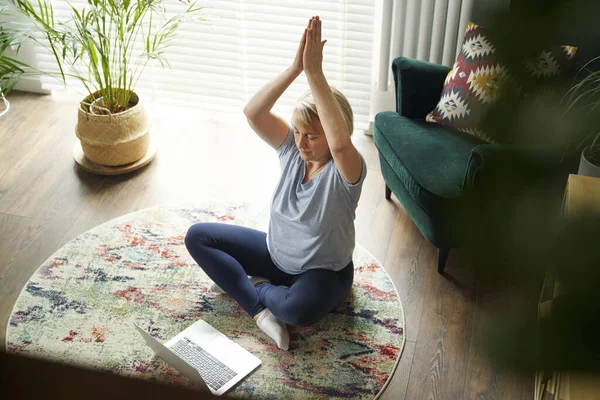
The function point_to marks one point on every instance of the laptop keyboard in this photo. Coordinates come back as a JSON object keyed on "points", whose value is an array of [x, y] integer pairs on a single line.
{"points": [[215, 373]]}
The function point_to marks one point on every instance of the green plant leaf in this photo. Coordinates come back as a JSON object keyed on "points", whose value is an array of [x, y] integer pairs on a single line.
{"points": [[98, 44]]}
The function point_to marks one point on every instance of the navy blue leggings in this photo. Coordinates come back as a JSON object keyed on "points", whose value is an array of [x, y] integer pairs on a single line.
{"points": [[228, 253]]}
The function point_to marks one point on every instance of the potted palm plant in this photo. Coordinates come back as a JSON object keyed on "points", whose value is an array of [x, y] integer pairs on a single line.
{"points": [[584, 96], [105, 45]]}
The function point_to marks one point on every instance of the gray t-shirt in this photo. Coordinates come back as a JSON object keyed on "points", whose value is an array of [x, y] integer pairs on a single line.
{"points": [[311, 225]]}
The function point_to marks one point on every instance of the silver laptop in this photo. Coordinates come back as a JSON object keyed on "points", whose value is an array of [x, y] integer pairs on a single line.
{"points": [[205, 356]]}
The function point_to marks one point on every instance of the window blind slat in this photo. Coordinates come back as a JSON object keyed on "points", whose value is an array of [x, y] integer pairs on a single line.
{"points": [[262, 69]]}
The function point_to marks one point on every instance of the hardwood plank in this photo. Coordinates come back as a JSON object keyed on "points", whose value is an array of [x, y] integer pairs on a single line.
{"points": [[11, 235], [25, 139], [33, 169], [23, 106], [116, 196], [396, 389], [483, 380], [55, 214], [442, 349], [18, 119], [403, 264], [375, 216], [366, 147], [190, 168]]}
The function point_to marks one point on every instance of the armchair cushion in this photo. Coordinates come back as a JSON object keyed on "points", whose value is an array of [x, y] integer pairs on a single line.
{"points": [[429, 160]]}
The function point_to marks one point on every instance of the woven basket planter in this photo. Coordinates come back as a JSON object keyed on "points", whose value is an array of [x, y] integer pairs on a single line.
{"points": [[114, 139]]}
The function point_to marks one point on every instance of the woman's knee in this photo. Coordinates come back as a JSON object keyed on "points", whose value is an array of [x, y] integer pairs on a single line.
{"points": [[305, 310], [304, 315], [198, 235]]}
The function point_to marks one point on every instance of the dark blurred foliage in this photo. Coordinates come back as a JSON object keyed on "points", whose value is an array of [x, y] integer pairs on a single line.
{"points": [[518, 231]]}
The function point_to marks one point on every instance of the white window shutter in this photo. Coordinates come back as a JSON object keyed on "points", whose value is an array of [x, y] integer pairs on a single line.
{"points": [[219, 64]]}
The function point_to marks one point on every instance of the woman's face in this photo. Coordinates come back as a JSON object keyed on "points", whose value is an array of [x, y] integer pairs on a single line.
{"points": [[311, 142]]}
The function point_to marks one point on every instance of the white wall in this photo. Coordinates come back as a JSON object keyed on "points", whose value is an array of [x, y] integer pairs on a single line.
{"points": [[26, 54], [29, 83]]}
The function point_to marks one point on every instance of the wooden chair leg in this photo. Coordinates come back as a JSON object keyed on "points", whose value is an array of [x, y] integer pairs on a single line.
{"points": [[388, 192], [442, 257]]}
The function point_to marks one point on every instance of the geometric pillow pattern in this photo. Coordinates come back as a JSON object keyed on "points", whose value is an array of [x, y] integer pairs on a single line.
{"points": [[551, 62], [475, 81]]}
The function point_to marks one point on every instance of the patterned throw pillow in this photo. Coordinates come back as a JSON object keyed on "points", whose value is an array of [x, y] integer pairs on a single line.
{"points": [[551, 62], [475, 81]]}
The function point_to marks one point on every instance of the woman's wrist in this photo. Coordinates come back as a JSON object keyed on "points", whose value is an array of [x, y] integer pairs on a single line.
{"points": [[315, 77], [314, 74], [294, 70]]}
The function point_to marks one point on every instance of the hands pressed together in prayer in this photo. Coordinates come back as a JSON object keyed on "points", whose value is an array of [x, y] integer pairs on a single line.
{"points": [[309, 57]]}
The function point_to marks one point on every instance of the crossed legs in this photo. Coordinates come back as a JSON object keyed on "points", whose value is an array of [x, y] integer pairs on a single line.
{"points": [[229, 253]]}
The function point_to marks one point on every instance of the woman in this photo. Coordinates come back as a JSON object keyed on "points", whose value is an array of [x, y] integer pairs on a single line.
{"points": [[302, 268]]}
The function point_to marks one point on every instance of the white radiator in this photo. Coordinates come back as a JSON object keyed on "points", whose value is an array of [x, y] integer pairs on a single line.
{"points": [[428, 30]]}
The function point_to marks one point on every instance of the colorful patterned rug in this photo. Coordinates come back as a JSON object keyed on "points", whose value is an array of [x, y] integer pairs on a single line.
{"points": [[79, 305]]}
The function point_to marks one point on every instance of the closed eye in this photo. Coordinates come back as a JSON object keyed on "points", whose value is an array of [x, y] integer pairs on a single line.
{"points": [[309, 137]]}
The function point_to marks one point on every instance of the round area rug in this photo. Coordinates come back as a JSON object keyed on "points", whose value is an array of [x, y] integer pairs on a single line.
{"points": [[79, 305]]}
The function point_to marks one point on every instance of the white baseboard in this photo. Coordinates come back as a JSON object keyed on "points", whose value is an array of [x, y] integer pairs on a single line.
{"points": [[31, 84], [369, 131]]}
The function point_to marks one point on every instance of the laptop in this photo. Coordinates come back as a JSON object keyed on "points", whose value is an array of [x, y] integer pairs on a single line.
{"points": [[205, 356]]}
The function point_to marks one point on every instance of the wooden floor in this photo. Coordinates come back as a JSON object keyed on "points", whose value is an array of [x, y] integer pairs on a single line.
{"points": [[45, 201]]}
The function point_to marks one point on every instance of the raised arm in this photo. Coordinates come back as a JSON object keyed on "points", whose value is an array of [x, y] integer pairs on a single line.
{"points": [[345, 155], [271, 128]]}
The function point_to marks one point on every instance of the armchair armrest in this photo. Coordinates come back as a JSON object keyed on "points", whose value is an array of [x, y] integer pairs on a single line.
{"points": [[491, 164], [419, 86]]}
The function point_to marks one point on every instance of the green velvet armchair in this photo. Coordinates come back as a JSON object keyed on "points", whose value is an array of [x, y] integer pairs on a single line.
{"points": [[435, 171]]}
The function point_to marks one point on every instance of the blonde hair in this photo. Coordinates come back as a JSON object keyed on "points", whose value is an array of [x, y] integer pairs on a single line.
{"points": [[306, 110]]}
